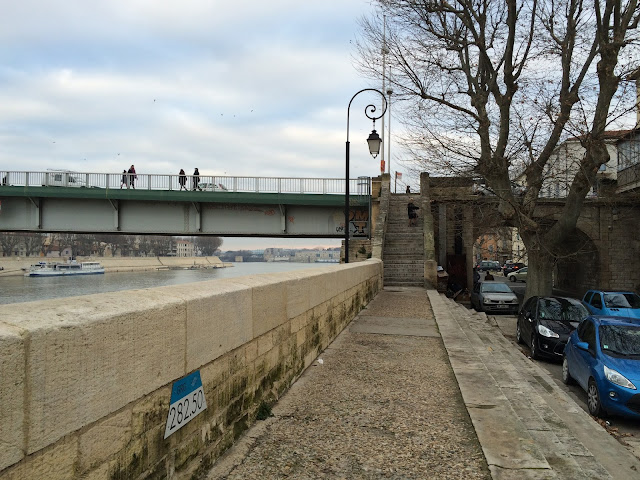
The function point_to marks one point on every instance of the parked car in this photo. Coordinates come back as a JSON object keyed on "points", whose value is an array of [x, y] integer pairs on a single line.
{"points": [[488, 265], [519, 275], [545, 323], [615, 304], [62, 179], [509, 267], [494, 297], [603, 357], [212, 187]]}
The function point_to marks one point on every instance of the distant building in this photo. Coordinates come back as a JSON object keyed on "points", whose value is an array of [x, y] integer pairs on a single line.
{"points": [[317, 256], [493, 246], [629, 162], [276, 255], [182, 248]]}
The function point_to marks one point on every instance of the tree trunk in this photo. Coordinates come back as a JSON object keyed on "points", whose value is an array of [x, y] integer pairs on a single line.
{"points": [[540, 270]]}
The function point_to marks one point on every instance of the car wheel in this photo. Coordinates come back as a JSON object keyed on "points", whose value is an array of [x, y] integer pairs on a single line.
{"points": [[518, 333], [567, 379], [512, 278], [534, 348], [593, 399]]}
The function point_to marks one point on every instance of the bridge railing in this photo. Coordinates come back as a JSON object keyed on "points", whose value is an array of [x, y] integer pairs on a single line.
{"points": [[324, 186]]}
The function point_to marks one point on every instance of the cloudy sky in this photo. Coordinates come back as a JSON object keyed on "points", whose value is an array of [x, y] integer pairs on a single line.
{"points": [[233, 88]]}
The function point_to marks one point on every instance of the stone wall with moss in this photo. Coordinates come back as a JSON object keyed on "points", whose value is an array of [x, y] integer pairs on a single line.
{"points": [[86, 381]]}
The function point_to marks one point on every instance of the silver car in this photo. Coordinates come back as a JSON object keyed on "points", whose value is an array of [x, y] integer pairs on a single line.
{"points": [[494, 297], [519, 275]]}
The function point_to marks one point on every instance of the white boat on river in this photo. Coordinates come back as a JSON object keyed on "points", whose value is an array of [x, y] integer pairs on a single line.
{"points": [[44, 269]]}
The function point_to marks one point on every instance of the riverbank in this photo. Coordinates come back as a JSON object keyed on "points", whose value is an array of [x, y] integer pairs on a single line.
{"points": [[15, 265]]}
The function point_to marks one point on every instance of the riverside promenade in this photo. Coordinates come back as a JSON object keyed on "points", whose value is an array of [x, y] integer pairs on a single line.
{"points": [[419, 387]]}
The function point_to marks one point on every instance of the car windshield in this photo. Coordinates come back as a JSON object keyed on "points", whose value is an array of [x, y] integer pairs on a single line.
{"points": [[561, 310], [621, 300], [620, 339], [498, 287]]}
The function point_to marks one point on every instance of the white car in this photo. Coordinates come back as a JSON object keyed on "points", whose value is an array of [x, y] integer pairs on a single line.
{"points": [[62, 179], [212, 187]]}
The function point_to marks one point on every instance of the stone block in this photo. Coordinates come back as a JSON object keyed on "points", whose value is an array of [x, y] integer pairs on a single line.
{"points": [[265, 343], [268, 299], [301, 337], [251, 351], [55, 463], [215, 373], [317, 288], [298, 294], [151, 411], [218, 319], [90, 357], [12, 361], [107, 437]]}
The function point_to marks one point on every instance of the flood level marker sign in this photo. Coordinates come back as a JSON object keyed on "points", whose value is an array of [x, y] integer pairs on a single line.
{"points": [[187, 401]]}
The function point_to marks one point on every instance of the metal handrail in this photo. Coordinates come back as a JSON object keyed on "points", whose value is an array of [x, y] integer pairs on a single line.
{"points": [[210, 183]]}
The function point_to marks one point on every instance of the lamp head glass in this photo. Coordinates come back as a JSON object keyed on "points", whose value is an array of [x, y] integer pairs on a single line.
{"points": [[374, 142]]}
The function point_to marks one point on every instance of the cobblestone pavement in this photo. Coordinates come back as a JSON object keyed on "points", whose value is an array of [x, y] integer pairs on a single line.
{"points": [[382, 403]]}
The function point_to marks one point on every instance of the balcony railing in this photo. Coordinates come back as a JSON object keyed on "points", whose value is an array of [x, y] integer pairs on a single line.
{"points": [[324, 186]]}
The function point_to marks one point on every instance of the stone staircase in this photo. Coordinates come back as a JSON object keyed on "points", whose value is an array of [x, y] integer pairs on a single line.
{"points": [[403, 253]]}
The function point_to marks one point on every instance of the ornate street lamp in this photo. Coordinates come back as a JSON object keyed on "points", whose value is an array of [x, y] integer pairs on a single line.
{"points": [[375, 143]]}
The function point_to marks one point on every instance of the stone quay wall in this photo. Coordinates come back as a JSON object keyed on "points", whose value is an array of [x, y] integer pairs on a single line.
{"points": [[85, 382]]}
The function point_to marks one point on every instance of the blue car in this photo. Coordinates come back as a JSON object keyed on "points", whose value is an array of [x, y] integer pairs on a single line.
{"points": [[615, 304], [603, 357]]}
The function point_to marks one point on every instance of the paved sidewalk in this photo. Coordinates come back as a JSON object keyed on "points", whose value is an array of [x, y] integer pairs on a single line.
{"points": [[529, 428], [419, 387], [383, 403]]}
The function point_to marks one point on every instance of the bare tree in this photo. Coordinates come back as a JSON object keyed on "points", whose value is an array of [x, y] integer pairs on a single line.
{"points": [[33, 242], [67, 240], [8, 242], [161, 245], [207, 245], [490, 87]]}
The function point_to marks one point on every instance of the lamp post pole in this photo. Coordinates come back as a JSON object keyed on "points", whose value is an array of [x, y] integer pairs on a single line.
{"points": [[374, 142]]}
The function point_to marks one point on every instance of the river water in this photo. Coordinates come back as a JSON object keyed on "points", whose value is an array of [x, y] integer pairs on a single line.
{"points": [[17, 289]]}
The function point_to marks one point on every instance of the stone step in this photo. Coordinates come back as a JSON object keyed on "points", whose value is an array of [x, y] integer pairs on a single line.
{"points": [[408, 275], [403, 237], [406, 248], [403, 283], [408, 244], [392, 261], [415, 264], [404, 234]]}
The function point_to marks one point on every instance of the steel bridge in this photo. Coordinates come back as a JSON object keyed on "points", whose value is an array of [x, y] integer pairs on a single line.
{"points": [[76, 202]]}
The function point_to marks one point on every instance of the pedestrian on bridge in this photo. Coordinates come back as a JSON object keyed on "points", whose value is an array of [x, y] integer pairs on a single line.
{"points": [[131, 173], [196, 179], [182, 179], [124, 181]]}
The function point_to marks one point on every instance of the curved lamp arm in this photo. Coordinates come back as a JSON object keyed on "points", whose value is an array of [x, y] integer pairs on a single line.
{"points": [[370, 109]]}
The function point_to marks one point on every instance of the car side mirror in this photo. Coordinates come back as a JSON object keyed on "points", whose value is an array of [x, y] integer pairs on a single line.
{"points": [[582, 346]]}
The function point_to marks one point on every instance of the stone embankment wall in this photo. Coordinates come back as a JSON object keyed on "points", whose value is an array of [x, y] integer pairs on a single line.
{"points": [[15, 265], [85, 385]]}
